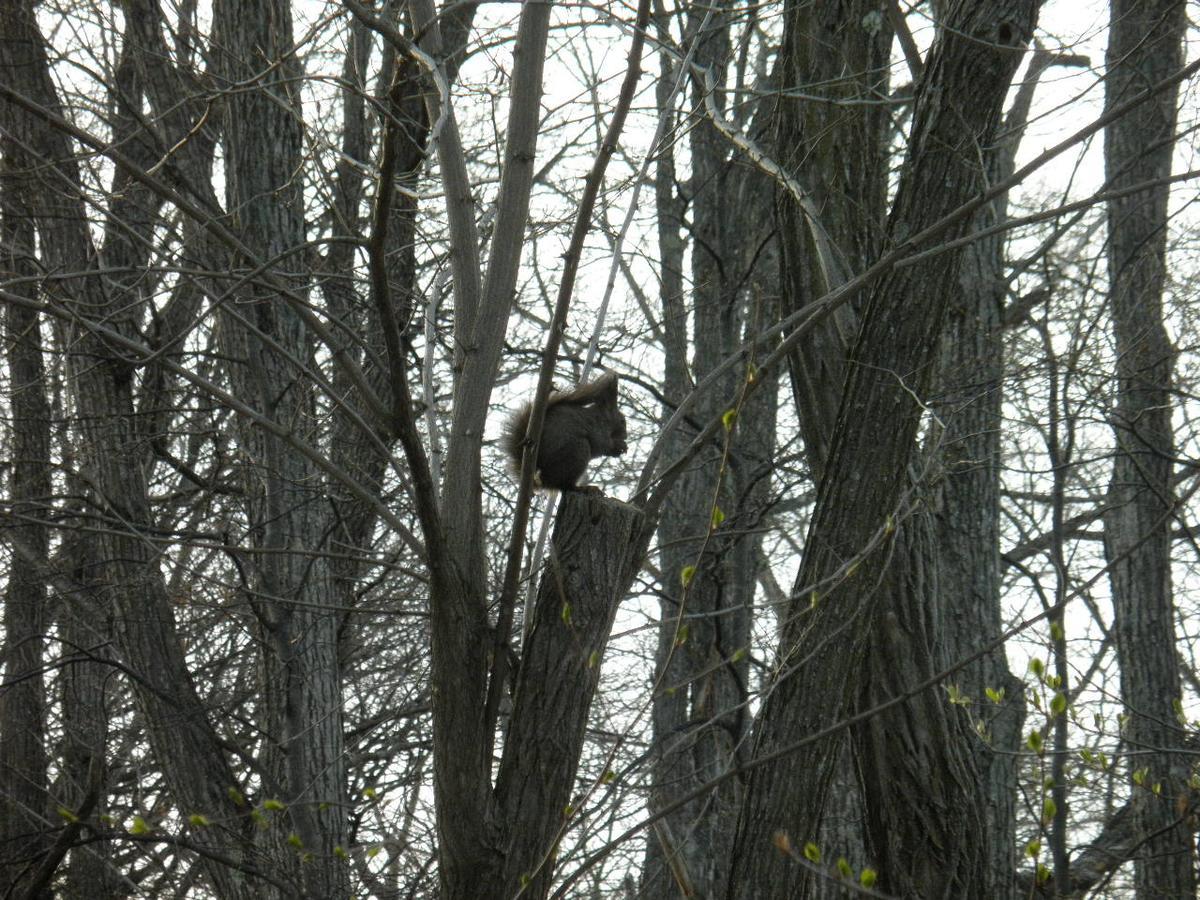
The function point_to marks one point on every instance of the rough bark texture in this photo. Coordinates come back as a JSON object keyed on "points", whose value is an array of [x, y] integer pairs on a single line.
{"points": [[699, 716], [923, 796], [821, 656], [24, 807], [838, 151], [86, 629], [592, 561], [1144, 47], [266, 345], [967, 502], [967, 524]]}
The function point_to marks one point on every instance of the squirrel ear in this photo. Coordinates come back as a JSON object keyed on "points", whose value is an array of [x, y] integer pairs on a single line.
{"points": [[610, 385]]}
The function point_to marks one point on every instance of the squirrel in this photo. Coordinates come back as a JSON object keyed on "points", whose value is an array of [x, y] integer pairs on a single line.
{"points": [[579, 426]]}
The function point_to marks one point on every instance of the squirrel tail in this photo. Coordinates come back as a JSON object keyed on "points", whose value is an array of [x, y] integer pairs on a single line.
{"points": [[514, 434], [603, 387]]}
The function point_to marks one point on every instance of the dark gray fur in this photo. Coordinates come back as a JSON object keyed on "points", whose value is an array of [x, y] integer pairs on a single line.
{"points": [[580, 425]]}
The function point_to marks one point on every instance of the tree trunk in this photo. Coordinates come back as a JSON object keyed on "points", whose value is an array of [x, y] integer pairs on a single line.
{"points": [[966, 505], [1145, 45], [924, 798], [832, 615], [127, 573], [267, 344], [845, 139], [86, 628], [594, 555], [667, 868], [24, 806], [828, 47], [702, 664]]}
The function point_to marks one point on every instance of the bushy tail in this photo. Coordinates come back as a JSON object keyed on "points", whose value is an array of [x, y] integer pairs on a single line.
{"points": [[514, 435]]}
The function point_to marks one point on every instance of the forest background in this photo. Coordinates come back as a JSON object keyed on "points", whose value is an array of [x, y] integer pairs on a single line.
{"points": [[894, 594]]}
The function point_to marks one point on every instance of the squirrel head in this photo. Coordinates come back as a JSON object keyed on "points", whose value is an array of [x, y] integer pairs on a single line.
{"points": [[614, 421]]}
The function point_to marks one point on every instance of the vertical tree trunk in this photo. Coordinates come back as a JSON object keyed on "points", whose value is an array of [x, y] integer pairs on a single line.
{"points": [[821, 657], [666, 871], [702, 667], [966, 505], [838, 151], [594, 555], [470, 837], [834, 50], [266, 342], [967, 526], [85, 628], [127, 573], [1145, 45], [24, 809], [925, 801]]}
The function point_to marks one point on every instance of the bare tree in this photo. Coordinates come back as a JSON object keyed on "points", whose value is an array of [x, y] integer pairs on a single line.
{"points": [[23, 757], [861, 505], [709, 531], [1144, 48], [274, 274]]}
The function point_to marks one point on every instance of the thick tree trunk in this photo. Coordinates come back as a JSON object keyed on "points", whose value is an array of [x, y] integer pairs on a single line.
{"points": [[593, 558], [85, 626], [24, 807], [833, 611], [966, 505], [839, 151], [266, 343], [967, 525], [923, 795], [1145, 45]]}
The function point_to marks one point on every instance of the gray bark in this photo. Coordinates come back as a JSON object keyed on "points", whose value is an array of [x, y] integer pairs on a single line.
{"points": [[581, 585], [700, 720], [838, 151], [86, 688], [1145, 45], [824, 646], [666, 869], [967, 503], [471, 855], [24, 806], [267, 345]]}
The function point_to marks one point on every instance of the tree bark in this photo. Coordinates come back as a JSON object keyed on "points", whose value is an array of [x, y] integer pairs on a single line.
{"points": [[593, 558], [1145, 45], [838, 150], [267, 345], [832, 614], [830, 48], [85, 624], [24, 806], [967, 501], [471, 839], [702, 661], [128, 577], [667, 867]]}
